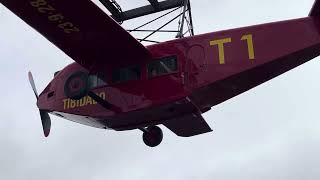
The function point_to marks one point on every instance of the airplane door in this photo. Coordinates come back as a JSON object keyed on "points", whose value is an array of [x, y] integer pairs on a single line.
{"points": [[164, 76], [195, 66]]}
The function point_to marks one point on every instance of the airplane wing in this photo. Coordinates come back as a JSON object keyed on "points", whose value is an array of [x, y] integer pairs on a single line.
{"points": [[188, 125], [80, 29], [315, 11]]}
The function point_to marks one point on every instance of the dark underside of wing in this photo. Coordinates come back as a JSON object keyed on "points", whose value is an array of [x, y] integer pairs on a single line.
{"points": [[188, 125], [315, 11], [80, 29]]}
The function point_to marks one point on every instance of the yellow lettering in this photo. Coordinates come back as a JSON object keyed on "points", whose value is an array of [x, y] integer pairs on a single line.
{"points": [[77, 103], [103, 95], [249, 40], [94, 102], [72, 103], [83, 102], [68, 103], [220, 43], [89, 101], [65, 104]]}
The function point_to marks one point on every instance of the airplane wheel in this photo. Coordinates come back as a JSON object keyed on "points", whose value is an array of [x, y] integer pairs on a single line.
{"points": [[77, 85], [153, 136]]}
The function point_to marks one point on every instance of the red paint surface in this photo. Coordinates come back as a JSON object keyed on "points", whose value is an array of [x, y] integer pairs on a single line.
{"points": [[201, 81]]}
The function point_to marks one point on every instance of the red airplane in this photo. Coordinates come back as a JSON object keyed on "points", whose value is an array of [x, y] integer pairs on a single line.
{"points": [[117, 83]]}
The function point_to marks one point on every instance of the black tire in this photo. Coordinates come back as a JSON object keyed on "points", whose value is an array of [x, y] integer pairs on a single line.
{"points": [[77, 85], [153, 137]]}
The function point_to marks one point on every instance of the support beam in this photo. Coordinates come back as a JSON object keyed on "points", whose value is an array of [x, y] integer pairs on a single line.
{"points": [[180, 33], [190, 18], [149, 9], [116, 14], [154, 3]]}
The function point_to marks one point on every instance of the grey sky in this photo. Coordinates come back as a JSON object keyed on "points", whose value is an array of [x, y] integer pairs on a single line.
{"points": [[270, 132]]}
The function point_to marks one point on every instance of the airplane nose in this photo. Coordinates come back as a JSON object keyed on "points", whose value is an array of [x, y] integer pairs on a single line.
{"points": [[40, 102], [46, 101]]}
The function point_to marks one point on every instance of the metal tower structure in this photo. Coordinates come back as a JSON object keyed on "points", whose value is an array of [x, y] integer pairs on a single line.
{"points": [[155, 6]]}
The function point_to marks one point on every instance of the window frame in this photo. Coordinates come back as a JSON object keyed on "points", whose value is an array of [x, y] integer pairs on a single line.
{"points": [[138, 66], [164, 74], [99, 77]]}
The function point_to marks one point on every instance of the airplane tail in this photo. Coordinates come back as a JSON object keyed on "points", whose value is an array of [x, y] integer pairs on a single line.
{"points": [[315, 10], [273, 49]]}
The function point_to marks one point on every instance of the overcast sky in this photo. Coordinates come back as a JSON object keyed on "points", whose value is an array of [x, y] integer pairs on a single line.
{"points": [[270, 132]]}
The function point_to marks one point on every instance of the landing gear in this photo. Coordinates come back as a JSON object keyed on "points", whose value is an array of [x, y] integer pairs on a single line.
{"points": [[152, 136]]}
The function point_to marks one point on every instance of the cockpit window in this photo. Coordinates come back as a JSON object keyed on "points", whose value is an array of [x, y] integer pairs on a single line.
{"points": [[126, 74], [97, 80], [163, 66]]}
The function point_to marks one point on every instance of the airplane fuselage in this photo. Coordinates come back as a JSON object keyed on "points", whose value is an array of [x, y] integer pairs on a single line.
{"points": [[199, 71]]}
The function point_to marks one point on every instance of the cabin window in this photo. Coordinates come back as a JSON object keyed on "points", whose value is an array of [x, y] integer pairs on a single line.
{"points": [[126, 74], [163, 66], [97, 80]]}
